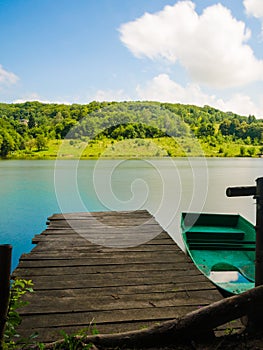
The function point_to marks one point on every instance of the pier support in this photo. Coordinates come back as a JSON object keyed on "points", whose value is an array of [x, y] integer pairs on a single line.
{"points": [[5, 269], [259, 233]]}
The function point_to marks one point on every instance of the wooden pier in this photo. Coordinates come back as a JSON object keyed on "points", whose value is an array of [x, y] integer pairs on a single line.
{"points": [[89, 272]]}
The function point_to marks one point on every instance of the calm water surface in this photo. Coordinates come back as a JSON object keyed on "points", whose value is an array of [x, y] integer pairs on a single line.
{"points": [[30, 191]]}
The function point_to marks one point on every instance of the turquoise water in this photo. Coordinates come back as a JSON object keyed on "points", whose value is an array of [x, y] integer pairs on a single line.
{"points": [[30, 191]]}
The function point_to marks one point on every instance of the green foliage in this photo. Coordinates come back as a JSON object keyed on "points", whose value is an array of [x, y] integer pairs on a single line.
{"points": [[11, 338], [251, 151], [72, 342], [77, 341], [242, 151], [132, 131], [31, 126], [41, 142]]}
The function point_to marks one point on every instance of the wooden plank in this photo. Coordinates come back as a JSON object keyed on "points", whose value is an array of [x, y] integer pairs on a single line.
{"points": [[142, 301], [162, 288], [109, 230], [87, 284], [98, 222], [56, 237], [61, 261], [89, 248], [113, 279], [124, 268], [103, 214], [105, 258], [84, 318], [69, 234], [146, 275]]}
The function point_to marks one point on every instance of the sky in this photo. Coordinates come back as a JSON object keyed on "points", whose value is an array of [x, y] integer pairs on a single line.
{"points": [[201, 52]]}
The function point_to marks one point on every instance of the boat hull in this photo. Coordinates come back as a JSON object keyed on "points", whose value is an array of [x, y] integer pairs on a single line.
{"points": [[222, 246]]}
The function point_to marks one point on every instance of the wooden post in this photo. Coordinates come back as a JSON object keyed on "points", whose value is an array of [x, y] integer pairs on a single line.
{"points": [[255, 317], [257, 192], [5, 269], [259, 233]]}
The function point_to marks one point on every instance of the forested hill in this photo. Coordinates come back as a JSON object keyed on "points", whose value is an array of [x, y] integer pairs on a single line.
{"points": [[29, 127]]}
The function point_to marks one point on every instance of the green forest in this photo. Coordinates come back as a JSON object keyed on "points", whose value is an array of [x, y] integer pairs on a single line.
{"points": [[34, 130]]}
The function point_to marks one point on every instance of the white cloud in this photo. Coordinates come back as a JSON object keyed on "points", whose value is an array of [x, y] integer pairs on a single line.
{"points": [[211, 46], [162, 88], [240, 104], [110, 95], [254, 8], [35, 97], [6, 77]]}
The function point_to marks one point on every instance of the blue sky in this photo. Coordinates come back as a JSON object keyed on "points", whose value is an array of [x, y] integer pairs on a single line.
{"points": [[196, 52]]}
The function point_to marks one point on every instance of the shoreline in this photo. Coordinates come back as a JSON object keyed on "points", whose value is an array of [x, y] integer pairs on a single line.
{"points": [[70, 157]]}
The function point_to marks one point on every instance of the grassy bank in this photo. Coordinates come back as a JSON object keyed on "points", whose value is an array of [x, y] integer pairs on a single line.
{"points": [[136, 148]]}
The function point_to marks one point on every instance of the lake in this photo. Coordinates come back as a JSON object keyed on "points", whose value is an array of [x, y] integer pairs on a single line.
{"points": [[30, 191]]}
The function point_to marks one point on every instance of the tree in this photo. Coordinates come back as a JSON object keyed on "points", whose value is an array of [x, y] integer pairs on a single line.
{"points": [[41, 142], [31, 122], [30, 144], [7, 144], [251, 151], [251, 119], [224, 127], [206, 129], [242, 151], [234, 126]]}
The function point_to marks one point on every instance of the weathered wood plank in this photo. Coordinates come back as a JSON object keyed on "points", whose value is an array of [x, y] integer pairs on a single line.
{"points": [[124, 268], [69, 233], [103, 214], [99, 222], [85, 318], [100, 258], [89, 248], [130, 290], [148, 276], [88, 302], [46, 283], [56, 237]]}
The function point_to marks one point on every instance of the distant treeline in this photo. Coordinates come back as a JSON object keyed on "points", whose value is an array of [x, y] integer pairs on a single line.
{"points": [[32, 124]]}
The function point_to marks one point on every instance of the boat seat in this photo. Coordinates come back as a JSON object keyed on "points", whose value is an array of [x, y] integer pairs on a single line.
{"points": [[222, 245], [214, 233], [218, 238]]}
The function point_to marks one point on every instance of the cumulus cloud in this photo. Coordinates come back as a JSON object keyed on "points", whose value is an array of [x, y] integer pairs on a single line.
{"points": [[7, 78], [110, 95], [32, 97], [212, 47], [241, 104], [162, 88], [254, 8]]}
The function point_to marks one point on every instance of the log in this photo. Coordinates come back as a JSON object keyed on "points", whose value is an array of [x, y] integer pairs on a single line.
{"points": [[189, 327]]}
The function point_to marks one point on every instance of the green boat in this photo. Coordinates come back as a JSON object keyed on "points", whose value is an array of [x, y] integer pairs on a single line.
{"points": [[222, 246]]}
